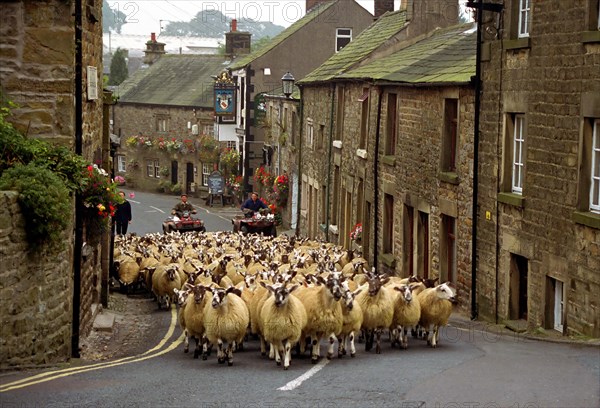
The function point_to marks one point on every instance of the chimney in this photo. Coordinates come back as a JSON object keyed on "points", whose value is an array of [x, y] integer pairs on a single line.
{"points": [[154, 50], [237, 42], [383, 6]]}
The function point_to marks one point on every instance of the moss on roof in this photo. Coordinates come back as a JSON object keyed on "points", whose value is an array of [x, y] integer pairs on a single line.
{"points": [[359, 48], [175, 80], [447, 55], [282, 36]]}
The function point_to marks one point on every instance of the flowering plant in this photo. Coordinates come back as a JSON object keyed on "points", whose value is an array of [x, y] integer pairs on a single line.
{"points": [[281, 188], [160, 143], [173, 145], [189, 145], [99, 193], [120, 180], [356, 233]]}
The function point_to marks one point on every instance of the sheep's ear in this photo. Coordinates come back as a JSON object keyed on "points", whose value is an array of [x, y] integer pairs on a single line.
{"points": [[357, 291], [320, 280], [293, 288], [264, 284], [398, 288], [234, 290], [385, 280], [189, 286]]}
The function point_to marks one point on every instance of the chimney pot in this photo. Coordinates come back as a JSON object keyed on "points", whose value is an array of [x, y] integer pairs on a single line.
{"points": [[153, 37], [234, 25]]}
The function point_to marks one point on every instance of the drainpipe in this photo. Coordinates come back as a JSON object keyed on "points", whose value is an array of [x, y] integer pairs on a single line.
{"points": [[299, 199], [376, 177], [474, 311], [248, 121], [78, 241], [329, 157]]}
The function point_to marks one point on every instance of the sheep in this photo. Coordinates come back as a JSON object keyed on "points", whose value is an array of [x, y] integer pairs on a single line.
{"points": [[324, 314], [436, 307], [182, 297], [407, 312], [352, 322], [226, 319], [283, 317], [165, 278], [193, 316], [378, 309]]}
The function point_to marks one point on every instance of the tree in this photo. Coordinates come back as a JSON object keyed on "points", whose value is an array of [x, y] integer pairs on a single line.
{"points": [[112, 20], [118, 68]]}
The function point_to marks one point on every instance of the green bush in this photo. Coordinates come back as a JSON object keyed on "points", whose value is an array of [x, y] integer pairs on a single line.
{"points": [[44, 200]]}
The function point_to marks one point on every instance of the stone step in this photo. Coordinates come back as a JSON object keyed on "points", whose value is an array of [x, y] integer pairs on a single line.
{"points": [[104, 321]]}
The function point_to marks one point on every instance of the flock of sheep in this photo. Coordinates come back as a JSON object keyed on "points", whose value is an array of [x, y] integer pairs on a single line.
{"points": [[288, 291]]}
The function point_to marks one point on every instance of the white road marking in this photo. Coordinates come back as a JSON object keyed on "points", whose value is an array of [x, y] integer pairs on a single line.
{"points": [[157, 209], [298, 381], [133, 201]]}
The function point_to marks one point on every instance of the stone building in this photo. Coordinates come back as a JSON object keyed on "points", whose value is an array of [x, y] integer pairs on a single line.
{"points": [[51, 68], [538, 234], [325, 29], [377, 112]]}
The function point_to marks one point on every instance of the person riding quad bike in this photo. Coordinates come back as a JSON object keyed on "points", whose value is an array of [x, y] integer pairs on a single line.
{"points": [[252, 205], [182, 219]]}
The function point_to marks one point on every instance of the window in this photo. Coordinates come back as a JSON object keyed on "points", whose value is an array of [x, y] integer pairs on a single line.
{"points": [[293, 129], [162, 124], [518, 154], [323, 218], [392, 125], [408, 240], [150, 168], [388, 223], [309, 133], [321, 137], [364, 118], [206, 168], [342, 38], [208, 129], [231, 144], [304, 197], [121, 164], [448, 249], [156, 169], [524, 18], [360, 198], [595, 168], [335, 203], [449, 136]]}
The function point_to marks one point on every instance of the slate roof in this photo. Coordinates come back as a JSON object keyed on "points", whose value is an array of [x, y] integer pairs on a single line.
{"points": [[446, 56], [282, 36], [384, 28], [174, 80]]}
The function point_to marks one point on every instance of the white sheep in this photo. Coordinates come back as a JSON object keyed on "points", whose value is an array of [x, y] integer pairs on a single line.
{"points": [[436, 307], [407, 312], [324, 314], [283, 317], [378, 309], [226, 319], [164, 279], [352, 321], [193, 316]]}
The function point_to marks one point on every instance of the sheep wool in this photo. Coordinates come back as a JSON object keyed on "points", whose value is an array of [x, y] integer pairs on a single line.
{"points": [[436, 308]]}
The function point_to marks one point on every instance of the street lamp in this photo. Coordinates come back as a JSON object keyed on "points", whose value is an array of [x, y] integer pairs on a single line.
{"points": [[288, 84]]}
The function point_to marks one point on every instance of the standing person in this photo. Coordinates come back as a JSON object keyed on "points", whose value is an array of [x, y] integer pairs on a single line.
{"points": [[123, 215], [252, 205]]}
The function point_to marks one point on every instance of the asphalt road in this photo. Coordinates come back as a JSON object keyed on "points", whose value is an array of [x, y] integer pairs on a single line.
{"points": [[474, 367], [150, 210]]}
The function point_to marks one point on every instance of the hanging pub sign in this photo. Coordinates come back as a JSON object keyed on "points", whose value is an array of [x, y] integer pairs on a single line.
{"points": [[224, 95]]}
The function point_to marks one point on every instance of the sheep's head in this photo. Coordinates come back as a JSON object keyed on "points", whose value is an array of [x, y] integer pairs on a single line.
{"points": [[199, 292], [446, 291], [335, 287], [220, 295], [376, 282], [405, 292], [349, 297], [181, 295], [280, 293], [172, 272]]}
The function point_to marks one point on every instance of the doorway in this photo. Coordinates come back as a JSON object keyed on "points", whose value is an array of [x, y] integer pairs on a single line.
{"points": [[189, 177], [174, 172], [555, 311], [518, 287]]}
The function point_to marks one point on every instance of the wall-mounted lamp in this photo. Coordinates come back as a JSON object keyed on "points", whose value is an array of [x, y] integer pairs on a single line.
{"points": [[288, 84]]}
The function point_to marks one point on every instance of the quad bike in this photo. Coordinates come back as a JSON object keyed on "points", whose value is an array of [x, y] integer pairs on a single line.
{"points": [[259, 223], [183, 222]]}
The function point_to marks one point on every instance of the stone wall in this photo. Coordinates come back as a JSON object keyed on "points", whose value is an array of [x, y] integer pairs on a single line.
{"points": [[36, 293], [549, 77], [38, 59]]}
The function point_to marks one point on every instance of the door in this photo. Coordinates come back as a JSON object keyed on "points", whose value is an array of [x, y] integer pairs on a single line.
{"points": [[558, 306], [295, 187], [174, 172], [189, 177]]}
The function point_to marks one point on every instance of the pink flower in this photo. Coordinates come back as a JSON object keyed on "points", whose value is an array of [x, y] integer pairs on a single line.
{"points": [[131, 195]]}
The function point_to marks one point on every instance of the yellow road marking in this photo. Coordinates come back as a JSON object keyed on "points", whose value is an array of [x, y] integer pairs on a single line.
{"points": [[76, 370]]}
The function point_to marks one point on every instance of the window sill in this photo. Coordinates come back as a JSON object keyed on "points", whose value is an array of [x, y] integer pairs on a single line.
{"points": [[513, 199], [337, 144], [449, 177], [388, 160], [517, 44], [362, 153], [333, 229], [388, 260], [589, 219], [590, 36]]}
